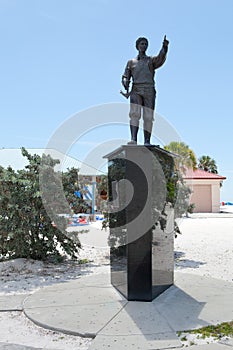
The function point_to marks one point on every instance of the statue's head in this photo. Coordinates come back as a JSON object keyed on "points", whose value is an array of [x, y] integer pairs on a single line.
{"points": [[139, 40]]}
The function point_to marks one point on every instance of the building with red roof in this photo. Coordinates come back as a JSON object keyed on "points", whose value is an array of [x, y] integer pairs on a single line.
{"points": [[205, 188]]}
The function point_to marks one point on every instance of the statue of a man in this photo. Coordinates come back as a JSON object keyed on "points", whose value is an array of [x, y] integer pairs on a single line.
{"points": [[142, 95]]}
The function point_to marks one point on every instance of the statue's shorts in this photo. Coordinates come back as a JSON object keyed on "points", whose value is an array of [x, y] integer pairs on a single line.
{"points": [[142, 103]]}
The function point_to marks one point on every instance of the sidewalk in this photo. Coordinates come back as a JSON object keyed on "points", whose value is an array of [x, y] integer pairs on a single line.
{"points": [[5, 346], [91, 307]]}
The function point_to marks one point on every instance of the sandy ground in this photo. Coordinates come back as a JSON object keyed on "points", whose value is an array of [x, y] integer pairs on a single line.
{"points": [[205, 247]]}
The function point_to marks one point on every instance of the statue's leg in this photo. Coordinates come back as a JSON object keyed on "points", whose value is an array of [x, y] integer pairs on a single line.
{"points": [[148, 114], [135, 115]]}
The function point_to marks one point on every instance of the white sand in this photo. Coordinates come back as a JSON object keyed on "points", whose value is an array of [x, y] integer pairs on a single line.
{"points": [[204, 248]]}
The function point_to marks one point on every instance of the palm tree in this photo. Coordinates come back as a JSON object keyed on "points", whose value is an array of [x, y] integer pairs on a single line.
{"points": [[208, 164]]}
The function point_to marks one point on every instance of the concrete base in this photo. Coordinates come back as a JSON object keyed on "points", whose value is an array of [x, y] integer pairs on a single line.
{"points": [[90, 306]]}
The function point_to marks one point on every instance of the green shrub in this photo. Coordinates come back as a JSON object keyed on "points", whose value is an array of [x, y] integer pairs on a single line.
{"points": [[26, 229]]}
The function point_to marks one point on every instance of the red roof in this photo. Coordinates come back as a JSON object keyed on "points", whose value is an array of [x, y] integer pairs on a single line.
{"points": [[202, 174]]}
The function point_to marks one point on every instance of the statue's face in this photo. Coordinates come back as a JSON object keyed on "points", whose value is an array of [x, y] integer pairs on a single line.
{"points": [[142, 46]]}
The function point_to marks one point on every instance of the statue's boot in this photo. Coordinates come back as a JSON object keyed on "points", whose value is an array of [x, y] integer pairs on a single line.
{"points": [[134, 134], [147, 132], [147, 136]]}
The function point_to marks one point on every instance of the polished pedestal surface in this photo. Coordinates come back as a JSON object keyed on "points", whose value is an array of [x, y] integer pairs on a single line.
{"points": [[141, 221]]}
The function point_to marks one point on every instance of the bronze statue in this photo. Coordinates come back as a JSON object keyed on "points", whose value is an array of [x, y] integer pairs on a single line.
{"points": [[142, 95]]}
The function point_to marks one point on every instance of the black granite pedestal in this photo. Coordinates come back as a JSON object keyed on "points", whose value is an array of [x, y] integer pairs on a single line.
{"points": [[141, 221]]}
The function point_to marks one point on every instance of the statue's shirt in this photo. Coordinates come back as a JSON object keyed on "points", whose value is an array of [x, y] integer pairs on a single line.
{"points": [[142, 69]]}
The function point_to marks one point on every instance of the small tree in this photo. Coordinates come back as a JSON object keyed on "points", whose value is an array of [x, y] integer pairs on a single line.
{"points": [[26, 229], [186, 159]]}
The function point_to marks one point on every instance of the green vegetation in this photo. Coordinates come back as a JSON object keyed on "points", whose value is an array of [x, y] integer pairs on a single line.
{"points": [[83, 261], [208, 164], [218, 331], [186, 159], [26, 228], [184, 338]]}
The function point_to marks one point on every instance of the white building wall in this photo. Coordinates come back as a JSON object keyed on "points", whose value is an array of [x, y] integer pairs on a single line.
{"points": [[215, 190], [216, 197]]}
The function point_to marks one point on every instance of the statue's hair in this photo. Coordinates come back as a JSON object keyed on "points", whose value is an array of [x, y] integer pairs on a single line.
{"points": [[140, 39]]}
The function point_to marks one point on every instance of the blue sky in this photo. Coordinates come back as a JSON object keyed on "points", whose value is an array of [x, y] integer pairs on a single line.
{"points": [[60, 57]]}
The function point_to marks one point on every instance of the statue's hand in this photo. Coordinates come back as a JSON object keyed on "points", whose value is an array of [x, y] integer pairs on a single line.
{"points": [[125, 94], [165, 41]]}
